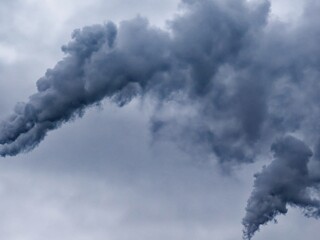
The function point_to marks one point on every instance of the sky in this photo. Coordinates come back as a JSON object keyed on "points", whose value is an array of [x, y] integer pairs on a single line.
{"points": [[110, 174]]}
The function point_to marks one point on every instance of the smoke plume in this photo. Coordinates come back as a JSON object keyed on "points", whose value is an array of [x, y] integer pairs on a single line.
{"points": [[247, 78], [203, 47], [285, 182]]}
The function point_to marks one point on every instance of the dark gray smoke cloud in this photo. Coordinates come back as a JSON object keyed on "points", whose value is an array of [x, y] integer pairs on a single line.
{"points": [[248, 80], [104, 61], [285, 182]]}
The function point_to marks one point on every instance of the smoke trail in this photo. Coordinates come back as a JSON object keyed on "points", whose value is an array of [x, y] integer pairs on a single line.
{"points": [[248, 79], [286, 181], [103, 61]]}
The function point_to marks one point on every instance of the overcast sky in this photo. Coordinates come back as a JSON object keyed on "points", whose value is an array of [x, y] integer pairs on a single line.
{"points": [[105, 176]]}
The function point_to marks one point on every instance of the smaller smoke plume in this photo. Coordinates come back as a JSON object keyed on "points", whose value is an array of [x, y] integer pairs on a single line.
{"points": [[285, 182]]}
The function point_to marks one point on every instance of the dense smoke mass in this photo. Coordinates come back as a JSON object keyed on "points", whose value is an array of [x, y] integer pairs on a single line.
{"points": [[285, 182], [251, 81]]}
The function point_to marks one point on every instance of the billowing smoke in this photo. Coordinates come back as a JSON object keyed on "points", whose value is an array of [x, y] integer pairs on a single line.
{"points": [[246, 78], [204, 46], [285, 182]]}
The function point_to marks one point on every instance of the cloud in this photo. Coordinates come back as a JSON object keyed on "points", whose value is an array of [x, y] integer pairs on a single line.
{"points": [[285, 182], [104, 61]]}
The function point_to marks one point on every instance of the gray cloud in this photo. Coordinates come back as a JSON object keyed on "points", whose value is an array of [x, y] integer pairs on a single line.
{"points": [[285, 182], [101, 64]]}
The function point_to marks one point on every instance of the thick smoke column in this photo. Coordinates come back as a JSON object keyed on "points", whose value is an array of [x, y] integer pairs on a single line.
{"points": [[247, 78], [285, 182]]}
